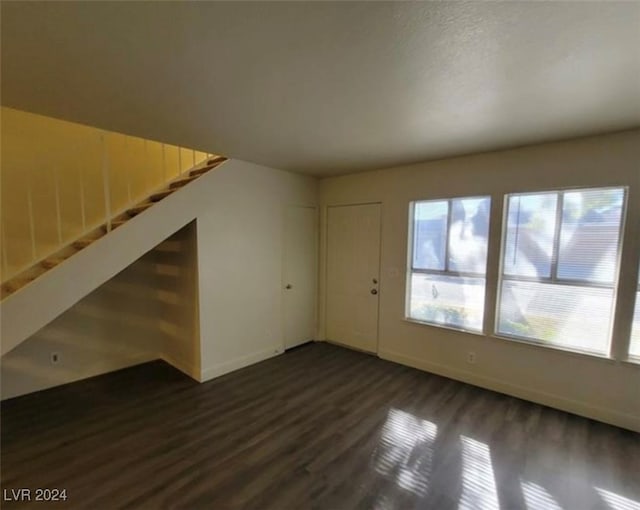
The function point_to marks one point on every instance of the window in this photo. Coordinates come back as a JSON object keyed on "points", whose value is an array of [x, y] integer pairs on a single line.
{"points": [[634, 348], [448, 262], [559, 267]]}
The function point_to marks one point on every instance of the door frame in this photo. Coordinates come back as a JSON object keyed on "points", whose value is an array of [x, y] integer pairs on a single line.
{"points": [[325, 257], [283, 283]]}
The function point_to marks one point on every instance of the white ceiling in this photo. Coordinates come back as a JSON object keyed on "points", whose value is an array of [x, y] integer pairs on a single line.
{"points": [[327, 88]]}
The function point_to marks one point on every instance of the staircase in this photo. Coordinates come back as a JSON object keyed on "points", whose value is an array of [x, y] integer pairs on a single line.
{"points": [[30, 275], [53, 285]]}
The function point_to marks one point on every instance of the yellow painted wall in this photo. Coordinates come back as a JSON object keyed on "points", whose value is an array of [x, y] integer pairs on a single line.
{"points": [[57, 166], [176, 269]]}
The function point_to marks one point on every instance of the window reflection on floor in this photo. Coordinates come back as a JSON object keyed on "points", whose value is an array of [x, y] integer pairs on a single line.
{"points": [[617, 502], [405, 451], [412, 462], [478, 481], [537, 497]]}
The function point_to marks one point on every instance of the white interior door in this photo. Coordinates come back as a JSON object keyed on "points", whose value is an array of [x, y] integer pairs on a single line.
{"points": [[353, 273], [300, 275]]}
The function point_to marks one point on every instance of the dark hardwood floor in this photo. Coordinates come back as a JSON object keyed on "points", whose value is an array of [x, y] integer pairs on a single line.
{"points": [[320, 427]]}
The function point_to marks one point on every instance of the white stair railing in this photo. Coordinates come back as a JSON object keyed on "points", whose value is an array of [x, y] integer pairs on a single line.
{"points": [[73, 180]]}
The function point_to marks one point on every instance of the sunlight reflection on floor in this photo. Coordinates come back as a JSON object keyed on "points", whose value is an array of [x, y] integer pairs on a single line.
{"points": [[617, 502], [406, 451], [478, 482], [405, 456], [537, 497]]}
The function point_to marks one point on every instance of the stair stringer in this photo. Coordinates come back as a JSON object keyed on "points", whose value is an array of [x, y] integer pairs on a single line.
{"points": [[34, 306]]}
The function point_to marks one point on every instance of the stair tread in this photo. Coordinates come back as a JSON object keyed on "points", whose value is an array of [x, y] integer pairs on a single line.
{"points": [[83, 243], [182, 182], [16, 284], [216, 160], [203, 170], [161, 194], [51, 262], [139, 208], [199, 171]]}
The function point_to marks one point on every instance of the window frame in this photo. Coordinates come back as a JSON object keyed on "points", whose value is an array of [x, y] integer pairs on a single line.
{"points": [[446, 271], [553, 278]]}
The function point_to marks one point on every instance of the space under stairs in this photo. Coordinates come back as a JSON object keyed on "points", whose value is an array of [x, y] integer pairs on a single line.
{"points": [[39, 294]]}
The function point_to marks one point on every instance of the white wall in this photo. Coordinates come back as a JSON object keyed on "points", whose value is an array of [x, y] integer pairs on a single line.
{"points": [[240, 243], [600, 388]]}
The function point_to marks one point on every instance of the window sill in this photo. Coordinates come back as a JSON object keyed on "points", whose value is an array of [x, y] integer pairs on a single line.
{"points": [[558, 348], [443, 326], [634, 362]]}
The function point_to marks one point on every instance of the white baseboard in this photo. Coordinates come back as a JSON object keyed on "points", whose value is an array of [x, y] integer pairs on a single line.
{"points": [[238, 363], [603, 414]]}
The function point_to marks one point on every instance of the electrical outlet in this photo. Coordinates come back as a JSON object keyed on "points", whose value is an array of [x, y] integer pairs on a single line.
{"points": [[54, 357], [471, 357]]}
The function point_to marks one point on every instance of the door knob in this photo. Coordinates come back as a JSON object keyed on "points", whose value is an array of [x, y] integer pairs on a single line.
{"points": [[374, 291], [289, 286]]}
